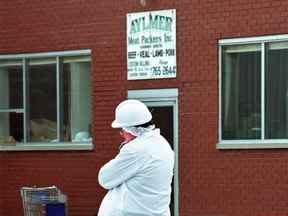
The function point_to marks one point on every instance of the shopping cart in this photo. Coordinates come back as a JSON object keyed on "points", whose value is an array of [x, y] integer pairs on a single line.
{"points": [[43, 201]]}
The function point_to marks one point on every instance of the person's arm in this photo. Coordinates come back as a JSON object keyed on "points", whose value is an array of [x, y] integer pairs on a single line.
{"points": [[124, 166]]}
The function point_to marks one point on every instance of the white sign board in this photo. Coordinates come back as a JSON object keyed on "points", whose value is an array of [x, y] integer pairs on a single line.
{"points": [[151, 45]]}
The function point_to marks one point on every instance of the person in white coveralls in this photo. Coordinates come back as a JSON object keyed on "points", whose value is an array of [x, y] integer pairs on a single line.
{"points": [[139, 177]]}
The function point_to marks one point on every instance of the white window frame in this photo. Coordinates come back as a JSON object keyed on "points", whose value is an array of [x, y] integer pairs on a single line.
{"points": [[249, 144], [45, 145], [164, 97]]}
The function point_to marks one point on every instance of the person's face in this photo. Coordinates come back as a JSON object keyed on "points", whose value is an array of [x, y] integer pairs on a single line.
{"points": [[126, 135]]}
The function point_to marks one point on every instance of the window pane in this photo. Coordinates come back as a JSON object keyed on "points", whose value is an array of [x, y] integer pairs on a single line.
{"points": [[77, 102], [241, 92], [11, 85], [11, 128], [276, 115], [42, 101]]}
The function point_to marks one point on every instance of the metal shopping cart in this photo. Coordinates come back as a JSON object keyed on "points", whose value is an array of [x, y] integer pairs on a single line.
{"points": [[43, 201]]}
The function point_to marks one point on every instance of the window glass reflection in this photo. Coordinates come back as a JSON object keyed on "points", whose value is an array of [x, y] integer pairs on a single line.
{"points": [[241, 92], [77, 102], [42, 102], [11, 85]]}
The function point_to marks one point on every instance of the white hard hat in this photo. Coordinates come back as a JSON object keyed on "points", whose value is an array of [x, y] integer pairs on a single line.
{"points": [[131, 113]]}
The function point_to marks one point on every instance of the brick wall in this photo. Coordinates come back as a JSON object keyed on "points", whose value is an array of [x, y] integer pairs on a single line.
{"points": [[212, 182]]}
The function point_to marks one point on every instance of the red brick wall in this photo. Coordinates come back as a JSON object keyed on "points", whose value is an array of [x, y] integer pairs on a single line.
{"points": [[212, 182]]}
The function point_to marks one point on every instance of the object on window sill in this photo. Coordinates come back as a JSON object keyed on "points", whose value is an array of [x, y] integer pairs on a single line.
{"points": [[82, 136], [43, 130], [8, 140]]}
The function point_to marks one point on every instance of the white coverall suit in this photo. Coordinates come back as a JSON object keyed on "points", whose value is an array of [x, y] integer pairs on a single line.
{"points": [[139, 178]]}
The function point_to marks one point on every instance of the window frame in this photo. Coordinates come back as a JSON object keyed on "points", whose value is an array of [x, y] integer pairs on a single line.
{"points": [[255, 143], [28, 146]]}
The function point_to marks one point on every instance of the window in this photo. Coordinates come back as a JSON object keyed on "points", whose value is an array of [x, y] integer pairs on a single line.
{"points": [[254, 92], [45, 99]]}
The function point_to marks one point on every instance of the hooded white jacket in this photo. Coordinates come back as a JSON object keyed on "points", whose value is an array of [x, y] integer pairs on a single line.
{"points": [[138, 178]]}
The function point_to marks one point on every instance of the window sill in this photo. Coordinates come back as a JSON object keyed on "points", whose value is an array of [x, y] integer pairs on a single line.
{"points": [[253, 144], [47, 147]]}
